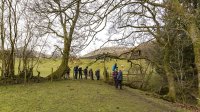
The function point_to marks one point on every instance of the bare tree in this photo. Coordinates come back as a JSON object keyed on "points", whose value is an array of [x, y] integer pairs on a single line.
{"points": [[3, 39], [74, 21], [12, 33], [138, 19], [143, 20]]}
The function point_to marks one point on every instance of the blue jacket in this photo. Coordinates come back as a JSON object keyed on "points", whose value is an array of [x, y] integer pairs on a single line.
{"points": [[114, 67], [119, 75]]}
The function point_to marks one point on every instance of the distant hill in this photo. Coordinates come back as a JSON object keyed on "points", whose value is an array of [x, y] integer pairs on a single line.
{"points": [[144, 50], [106, 50], [29, 53]]}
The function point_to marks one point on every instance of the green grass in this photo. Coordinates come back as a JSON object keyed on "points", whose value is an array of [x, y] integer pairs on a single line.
{"points": [[45, 65], [78, 96]]}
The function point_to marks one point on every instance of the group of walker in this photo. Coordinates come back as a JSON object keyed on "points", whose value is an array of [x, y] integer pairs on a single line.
{"points": [[117, 76], [78, 73]]}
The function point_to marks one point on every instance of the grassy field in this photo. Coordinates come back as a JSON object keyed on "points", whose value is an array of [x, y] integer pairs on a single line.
{"points": [[78, 96], [45, 65]]}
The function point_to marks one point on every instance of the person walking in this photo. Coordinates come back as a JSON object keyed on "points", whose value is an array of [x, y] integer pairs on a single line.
{"points": [[85, 71], [91, 74], [97, 73], [119, 79], [80, 72], [114, 67], [114, 74], [75, 72]]}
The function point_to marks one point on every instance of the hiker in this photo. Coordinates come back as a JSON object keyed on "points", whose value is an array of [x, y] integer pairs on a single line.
{"points": [[80, 72], [97, 73], [119, 79], [91, 74], [114, 74], [114, 67], [75, 72], [85, 71]]}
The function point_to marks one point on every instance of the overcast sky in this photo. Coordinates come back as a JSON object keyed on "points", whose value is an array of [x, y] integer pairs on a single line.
{"points": [[96, 43]]}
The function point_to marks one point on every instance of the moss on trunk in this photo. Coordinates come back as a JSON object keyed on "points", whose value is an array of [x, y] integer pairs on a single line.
{"points": [[195, 36], [63, 68], [171, 96]]}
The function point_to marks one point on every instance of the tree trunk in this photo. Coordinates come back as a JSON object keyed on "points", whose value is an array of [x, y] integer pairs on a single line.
{"points": [[11, 62], [195, 36], [166, 62], [12, 42], [196, 46], [64, 64], [63, 68], [19, 65], [2, 41], [105, 72]]}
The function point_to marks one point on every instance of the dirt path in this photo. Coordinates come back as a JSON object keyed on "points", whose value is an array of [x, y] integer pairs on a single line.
{"points": [[155, 104], [78, 96]]}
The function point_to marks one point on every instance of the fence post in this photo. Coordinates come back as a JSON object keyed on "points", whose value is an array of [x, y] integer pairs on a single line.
{"points": [[127, 80], [25, 74], [38, 76], [51, 75]]}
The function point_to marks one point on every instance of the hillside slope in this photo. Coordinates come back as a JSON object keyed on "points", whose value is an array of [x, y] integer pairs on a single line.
{"points": [[106, 50]]}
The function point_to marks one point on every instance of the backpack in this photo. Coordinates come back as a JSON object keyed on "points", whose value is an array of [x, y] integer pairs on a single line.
{"points": [[113, 68], [114, 74]]}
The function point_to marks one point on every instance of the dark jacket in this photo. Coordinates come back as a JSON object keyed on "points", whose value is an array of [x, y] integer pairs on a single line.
{"points": [[114, 74], [90, 72], [85, 71], [97, 73], [119, 75], [80, 70], [76, 69]]}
